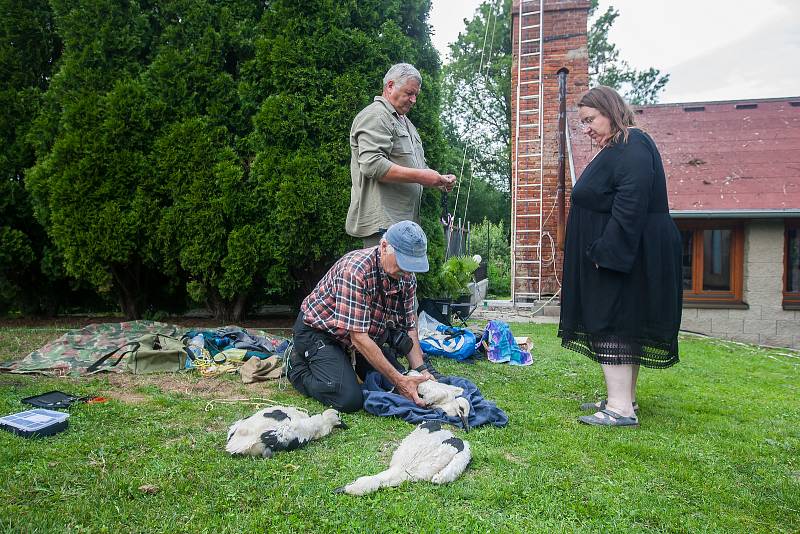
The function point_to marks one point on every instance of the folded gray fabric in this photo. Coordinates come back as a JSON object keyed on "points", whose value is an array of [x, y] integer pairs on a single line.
{"points": [[242, 339]]}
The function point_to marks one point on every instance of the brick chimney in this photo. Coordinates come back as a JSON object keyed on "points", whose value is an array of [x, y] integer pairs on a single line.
{"points": [[548, 35]]}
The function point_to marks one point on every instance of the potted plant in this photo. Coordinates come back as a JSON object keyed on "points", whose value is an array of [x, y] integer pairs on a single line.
{"points": [[456, 274], [454, 278]]}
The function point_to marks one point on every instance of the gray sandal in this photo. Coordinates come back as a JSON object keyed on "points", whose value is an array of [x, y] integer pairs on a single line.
{"points": [[601, 405], [608, 418]]}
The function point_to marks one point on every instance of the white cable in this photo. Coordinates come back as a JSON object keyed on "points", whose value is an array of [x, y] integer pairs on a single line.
{"points": [[515, 170], [493, 22], [548, 301], [489, 22], [571, 162], [541, 135], [455, 206]]}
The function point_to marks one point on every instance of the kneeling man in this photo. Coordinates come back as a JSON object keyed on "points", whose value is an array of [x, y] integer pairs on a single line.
{"points": [[354, 306]]}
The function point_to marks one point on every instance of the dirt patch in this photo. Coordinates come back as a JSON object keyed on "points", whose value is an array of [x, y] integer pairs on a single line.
{"points": [[12, 381], [129, 388], [124, 396], [137, 388]]}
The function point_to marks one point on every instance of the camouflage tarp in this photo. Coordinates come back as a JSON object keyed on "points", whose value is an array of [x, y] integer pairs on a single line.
{"points": [[75, 351]]}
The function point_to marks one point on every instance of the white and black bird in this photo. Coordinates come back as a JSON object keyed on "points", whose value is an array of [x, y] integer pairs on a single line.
{"points": [[429, 452], [445, 397], [280, 428]]}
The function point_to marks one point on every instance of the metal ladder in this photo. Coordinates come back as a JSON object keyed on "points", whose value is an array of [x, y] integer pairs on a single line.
{"points": [[526, 262]]}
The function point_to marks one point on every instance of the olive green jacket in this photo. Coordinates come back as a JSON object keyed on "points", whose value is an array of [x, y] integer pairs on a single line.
{"points": [[378, 138]]}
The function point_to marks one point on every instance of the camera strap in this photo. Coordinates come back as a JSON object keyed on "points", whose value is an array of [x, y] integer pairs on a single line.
{"points": [[379, 289]]}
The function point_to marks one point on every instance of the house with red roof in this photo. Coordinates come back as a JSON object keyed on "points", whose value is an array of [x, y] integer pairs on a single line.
{"points": [[733, 177]]}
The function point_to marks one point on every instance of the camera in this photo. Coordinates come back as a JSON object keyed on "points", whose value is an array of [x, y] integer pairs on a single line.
{"points": [[397, 339], [394, 342], [400, 341]]}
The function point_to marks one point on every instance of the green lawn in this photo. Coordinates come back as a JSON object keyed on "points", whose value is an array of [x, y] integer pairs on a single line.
{"points": [[717, 451]]}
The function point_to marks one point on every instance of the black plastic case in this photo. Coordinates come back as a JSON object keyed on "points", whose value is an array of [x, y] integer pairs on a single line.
{"points": [[52, 400]]}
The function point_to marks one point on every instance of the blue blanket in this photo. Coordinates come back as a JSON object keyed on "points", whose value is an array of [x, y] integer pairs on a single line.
{"points": [[379, 401]]}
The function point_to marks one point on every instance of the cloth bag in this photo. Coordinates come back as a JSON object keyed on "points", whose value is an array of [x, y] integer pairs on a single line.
{"points": [[258, 370], [151, 353], [501, 347]]}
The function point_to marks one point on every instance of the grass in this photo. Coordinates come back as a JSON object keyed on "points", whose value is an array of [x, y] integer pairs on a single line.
{"points": [[717, 452]]}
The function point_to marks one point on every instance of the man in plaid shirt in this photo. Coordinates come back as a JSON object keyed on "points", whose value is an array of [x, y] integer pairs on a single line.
{"points": [[350, 309]]}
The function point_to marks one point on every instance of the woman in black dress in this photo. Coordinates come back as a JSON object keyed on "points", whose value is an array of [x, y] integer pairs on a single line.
{"points": [[622, 291]]}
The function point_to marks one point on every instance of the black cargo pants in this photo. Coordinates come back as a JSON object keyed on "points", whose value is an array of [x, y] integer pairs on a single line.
{"points": [[319, 367]]}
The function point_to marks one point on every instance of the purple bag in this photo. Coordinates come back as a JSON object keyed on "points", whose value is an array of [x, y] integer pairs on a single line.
{"points": [[500, 346]]}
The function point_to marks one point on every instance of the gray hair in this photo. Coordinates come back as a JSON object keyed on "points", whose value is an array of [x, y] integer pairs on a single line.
{"points": [[400, 74]]}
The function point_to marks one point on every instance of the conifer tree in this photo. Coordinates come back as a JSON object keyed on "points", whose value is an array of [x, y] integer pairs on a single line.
{"points": [[316, 66], [30, 279], [201, 147]]}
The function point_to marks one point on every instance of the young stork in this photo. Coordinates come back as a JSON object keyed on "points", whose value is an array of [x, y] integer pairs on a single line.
{"points": [[445, 397], [429, 452], [280, 428]]}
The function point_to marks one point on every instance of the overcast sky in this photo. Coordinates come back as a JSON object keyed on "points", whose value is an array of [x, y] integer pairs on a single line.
{"points": [[712, 49]]}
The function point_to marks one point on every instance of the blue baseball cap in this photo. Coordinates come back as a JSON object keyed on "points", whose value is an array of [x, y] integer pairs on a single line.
{"points": [[410, 246]]}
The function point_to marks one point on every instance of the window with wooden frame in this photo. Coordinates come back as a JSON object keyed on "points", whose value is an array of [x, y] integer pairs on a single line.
{"points": [[791, 266], [713, 262]]}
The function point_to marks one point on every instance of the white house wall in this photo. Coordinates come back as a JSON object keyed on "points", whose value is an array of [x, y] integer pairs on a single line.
{"points": [[765, 322]]}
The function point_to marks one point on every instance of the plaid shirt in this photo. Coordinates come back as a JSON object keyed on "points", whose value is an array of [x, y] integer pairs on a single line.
{"points": [[347, 299]]}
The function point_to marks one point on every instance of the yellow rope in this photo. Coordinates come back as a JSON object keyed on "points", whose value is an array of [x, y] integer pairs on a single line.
{"points": [[208, 368]]}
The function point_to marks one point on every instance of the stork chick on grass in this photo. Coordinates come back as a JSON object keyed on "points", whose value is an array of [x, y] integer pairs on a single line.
{"points": [[280, 428], [428, 453], [445, 397]]}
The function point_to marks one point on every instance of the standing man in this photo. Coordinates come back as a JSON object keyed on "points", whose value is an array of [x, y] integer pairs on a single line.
{"points": [[387, 162], [351, 308]]}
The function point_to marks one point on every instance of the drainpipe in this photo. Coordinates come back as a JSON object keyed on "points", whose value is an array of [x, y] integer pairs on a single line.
{"points": [[562, 150]]}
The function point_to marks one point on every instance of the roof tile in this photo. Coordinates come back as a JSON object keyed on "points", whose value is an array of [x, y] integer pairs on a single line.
{"points": [[722, 158]]}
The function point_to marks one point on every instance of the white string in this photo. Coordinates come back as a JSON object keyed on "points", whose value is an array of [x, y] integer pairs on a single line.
{"points": [[492, 21], [485, 84], [455, 206], [258, 402]]}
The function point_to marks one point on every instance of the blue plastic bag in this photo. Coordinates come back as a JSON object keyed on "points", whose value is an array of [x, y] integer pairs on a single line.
{"points": [[449, 341]]}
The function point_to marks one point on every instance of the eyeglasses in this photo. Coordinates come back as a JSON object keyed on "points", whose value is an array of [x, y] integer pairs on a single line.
{"points": [[582, 124]]}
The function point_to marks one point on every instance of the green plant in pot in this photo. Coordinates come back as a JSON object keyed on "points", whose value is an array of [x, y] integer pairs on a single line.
{"points": [[456, 274]]}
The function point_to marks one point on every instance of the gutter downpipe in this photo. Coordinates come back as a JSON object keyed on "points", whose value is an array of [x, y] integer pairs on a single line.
{"points": [[562, 150]]}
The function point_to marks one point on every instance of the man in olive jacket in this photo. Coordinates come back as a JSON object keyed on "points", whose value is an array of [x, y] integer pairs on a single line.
{"points": [[387, 164]]}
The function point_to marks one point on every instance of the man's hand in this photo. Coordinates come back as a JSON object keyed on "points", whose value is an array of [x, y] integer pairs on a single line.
{"points": [[404, 385], [429, 177], [442, 182], [407, 387], [424, 177], [448, 181]]}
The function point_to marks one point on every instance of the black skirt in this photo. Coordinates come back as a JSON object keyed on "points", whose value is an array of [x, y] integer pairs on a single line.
{"points": [[622, 288]]}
